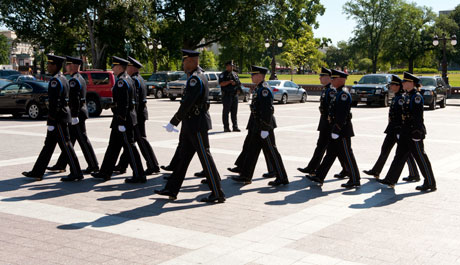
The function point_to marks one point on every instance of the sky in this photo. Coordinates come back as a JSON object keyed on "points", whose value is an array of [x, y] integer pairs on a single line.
{"points": [[335, 25]]}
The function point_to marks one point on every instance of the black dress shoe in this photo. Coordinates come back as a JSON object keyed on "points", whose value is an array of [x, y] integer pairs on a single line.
{"points": [[90, 170], [242, 179], [29, 174], [304, 170], [341, 175], [234, 169], [350, 184], [151, 171], [278, 182], [212, 199], [315, 179], [167, 168], [165, 192], [204, 181], [269, 175], [71, 178], [199, 174], [236, 129], [411, 179], [426, 188], [371, 173], [386, 182], [99, 175], [227, 130], [55, 168], [117, 169], [136, 180]]}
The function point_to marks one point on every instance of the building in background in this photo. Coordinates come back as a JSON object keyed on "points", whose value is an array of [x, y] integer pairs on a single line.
{"points": [[21, 53]]}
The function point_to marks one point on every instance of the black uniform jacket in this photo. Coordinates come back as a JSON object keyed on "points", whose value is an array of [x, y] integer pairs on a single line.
{"points": [[413, 124], [124, 97], [141, 91], [262, 118], [78, 107], [340, 113], [58, 100]]}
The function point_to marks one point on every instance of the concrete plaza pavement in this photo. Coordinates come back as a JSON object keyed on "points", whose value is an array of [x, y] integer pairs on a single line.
{"points": [[91, 222]]}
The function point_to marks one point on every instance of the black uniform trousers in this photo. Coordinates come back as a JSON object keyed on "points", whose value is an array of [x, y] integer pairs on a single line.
{"points": [[116, 142], [340, 147], [191, 143], [60, 135], [321, 147], [388, 143], [407, 146], [176, 157], [140, 136], [230, 105], [256, 143], [242, 157], [78, 133]]}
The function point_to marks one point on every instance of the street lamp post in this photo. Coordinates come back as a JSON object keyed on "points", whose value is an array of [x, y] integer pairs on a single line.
{"points": [[444, 39], [81, 47], [272, 43], [157, 47]]}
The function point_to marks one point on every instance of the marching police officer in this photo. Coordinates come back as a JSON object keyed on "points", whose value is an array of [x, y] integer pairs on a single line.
{"points": [[341, 133], [392, 131], [123, 122], [59, 117], [229, 83], [324, 129], [79, 111], [260, 130], [413, 132], [139, 129], [196, 121]]}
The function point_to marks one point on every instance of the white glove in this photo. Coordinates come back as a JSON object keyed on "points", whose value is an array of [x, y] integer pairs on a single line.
{"points": [[170, 128], [397, 136], [121, 128], [334, 136], [50, 128], [416, 140], [75, 121], [264, 134]]}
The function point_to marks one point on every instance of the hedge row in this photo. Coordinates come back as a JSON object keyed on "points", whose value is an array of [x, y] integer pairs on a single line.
{"points": [[416, 71]]}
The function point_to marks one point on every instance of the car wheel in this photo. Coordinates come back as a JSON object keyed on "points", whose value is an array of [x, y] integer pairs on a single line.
{"points": [[354, 103], [303, 98], [172, 98], [432, 106], [443, 102], [385, 101], [94, 106], [284, 99], [159, 93], [33, 110]]}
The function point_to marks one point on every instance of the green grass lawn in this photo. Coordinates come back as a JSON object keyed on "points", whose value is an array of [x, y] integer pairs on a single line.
{"points": [[454, 79]]}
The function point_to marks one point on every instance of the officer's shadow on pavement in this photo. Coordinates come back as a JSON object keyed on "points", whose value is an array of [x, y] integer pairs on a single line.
{"points": [[385, 197]]}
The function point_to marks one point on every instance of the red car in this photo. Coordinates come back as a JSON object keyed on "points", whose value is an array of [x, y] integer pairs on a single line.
{"points": [[99, 85]]}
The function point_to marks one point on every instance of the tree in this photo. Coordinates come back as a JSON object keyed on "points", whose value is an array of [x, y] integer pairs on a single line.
{"points": [[302, 51], [4, 50], [208, 60], [340, 56], [412, 34], [373, 24]]}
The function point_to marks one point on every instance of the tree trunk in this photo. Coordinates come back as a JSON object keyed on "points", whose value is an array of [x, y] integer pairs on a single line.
{"points": [[374, 65], [411, 65]]}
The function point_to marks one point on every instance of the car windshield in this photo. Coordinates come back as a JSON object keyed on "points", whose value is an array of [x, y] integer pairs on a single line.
{"points": [[428, 81], [183, 77], [373, 79], [273, 83], [158, 77], [4, 83]]}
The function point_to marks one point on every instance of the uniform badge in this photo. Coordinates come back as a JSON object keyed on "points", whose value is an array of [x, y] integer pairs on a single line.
{"points": [[72, 83], [53, 83], [264, 92], [120, 83], [323, 95], [418, 99], [344, 97], [401, 101], [192, 82], [332, 93]]}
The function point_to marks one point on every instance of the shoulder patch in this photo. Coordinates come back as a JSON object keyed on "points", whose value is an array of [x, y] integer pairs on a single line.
{"points": [[72, 83], [193, 82], [120, 83], [401, 101], [332, 93], [54, 83], [418, 99], [265, 92], [344, 97]]}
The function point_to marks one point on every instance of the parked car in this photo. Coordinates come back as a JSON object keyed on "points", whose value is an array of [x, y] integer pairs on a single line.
{"points": [[285, 91], [99, 85], [4, 82], [17, 78], [6, 73], [24, 97], [157, 82], [176, 89], [216, 94], [434, 91], [373, 88]]}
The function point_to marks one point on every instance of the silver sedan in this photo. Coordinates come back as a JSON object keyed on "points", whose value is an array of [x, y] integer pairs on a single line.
{"points": [[286, 91]]}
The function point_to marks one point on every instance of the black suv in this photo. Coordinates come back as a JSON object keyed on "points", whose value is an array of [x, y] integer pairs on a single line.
{"points": [[7, 73], [434, 91], [157, 82], [372, 88]]}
